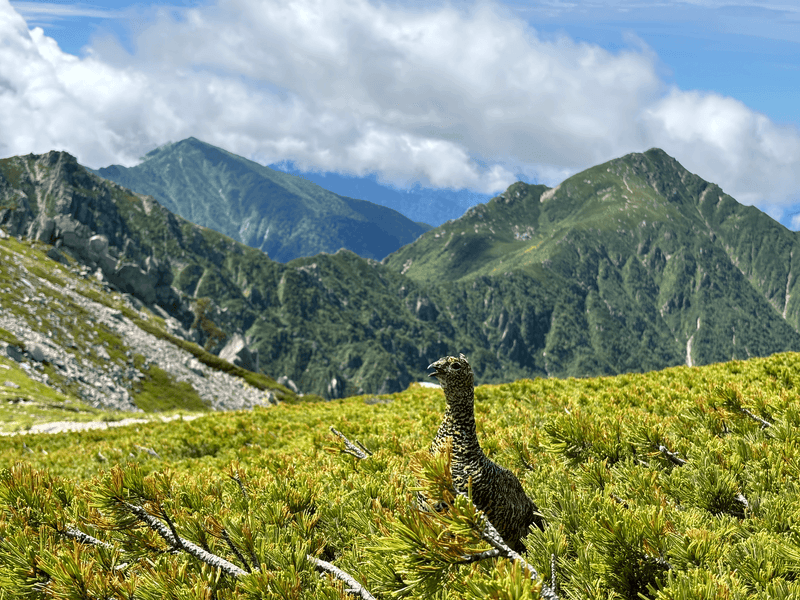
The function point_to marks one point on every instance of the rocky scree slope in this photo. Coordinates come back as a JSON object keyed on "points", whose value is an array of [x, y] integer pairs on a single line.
{"points": [[284, 215], [620, 269], [70, 347]]}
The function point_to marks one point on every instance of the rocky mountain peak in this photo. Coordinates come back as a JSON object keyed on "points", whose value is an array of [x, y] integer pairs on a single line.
{"points": [[632, 265]]}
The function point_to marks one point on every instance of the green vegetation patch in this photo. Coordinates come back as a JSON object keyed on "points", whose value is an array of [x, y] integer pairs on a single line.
{"points": [[674, 484], [158, 391]]}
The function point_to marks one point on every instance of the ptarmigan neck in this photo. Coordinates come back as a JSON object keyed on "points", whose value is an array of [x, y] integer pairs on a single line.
{"points": [[461, 418]]}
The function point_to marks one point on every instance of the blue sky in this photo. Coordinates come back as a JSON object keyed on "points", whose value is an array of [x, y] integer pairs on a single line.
{"points": [[446, 95]]}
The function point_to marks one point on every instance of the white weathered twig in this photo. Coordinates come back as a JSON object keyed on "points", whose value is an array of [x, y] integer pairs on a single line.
{"points": [[85, 538], [491, 535], [150, 451], [764, 422], [355, 587], [359, 451], [471, 558], [179, 543], [183, 544]]}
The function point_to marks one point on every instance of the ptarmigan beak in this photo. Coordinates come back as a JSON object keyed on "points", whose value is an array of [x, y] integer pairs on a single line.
{"points": [[435, 366]]}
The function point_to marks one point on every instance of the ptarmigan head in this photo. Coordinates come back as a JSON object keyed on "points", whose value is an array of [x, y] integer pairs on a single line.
{"points": [[455, 376]]}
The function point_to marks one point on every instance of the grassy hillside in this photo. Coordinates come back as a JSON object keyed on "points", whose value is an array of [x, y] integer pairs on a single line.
{"points": [[674, 484]]}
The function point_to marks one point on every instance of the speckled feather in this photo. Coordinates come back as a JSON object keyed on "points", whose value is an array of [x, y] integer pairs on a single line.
{"points": [[495, 490]]}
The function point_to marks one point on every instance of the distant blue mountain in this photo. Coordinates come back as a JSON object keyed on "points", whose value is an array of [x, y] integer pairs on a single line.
{"points": [[423, 205]]}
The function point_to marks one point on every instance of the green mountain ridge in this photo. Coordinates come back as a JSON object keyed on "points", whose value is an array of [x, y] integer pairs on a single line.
{"points": [[630, 266], [652, 250], [283, 215]]}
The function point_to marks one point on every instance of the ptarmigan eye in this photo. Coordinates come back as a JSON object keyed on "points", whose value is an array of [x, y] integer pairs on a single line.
{"points": [[456, 366]]}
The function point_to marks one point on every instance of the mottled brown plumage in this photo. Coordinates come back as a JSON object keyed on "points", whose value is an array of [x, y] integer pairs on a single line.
{"points": [[495, 490]]}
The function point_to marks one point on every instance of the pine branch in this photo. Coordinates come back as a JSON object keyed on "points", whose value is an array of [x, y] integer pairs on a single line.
{"points": [[84, 538], [764, 422], [360, 451], [673, 458], [471, 558], [183, 544], [179, 543], [150, 451], [355, 587], [174, 531], [618, 500], [238, 480], [742, 500], [491, 535], [235, 550]]}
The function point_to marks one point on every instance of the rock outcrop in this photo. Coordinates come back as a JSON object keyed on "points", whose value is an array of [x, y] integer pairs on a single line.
{"points": [[236, 352], [58, 202]]}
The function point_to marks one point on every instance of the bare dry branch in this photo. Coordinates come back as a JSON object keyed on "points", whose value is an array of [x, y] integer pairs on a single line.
{"points": [[359, 451], [471, 558], [491, 535], [355, 587], [85, 538], [764, 422], [150, 451], [673, 458], [238, 480], [183, 544], [235, 550]]}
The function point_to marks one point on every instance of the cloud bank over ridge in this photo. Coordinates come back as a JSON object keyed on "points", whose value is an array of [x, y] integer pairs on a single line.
{"points": [[443, 96]]}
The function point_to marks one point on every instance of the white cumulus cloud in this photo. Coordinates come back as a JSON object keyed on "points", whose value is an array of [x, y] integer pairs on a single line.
{"points": [[754, 159], [443, 96]]}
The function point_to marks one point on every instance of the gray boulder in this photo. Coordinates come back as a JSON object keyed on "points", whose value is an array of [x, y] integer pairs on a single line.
{"points": [[54, 254], [36, 352], [14, 353], [195, 366], [130, 278], [73, 234]]}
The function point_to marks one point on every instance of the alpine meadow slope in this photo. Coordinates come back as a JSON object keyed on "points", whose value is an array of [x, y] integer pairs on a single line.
{"points": [[634, 265], [284, 215], [680, 484]]}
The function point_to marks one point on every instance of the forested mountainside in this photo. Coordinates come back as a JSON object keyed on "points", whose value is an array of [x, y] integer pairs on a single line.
{"points": [[284, 215], [632, 265]]}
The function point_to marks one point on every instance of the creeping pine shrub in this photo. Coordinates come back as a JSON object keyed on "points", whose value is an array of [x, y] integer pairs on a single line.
{"points": [[676, 484]]}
